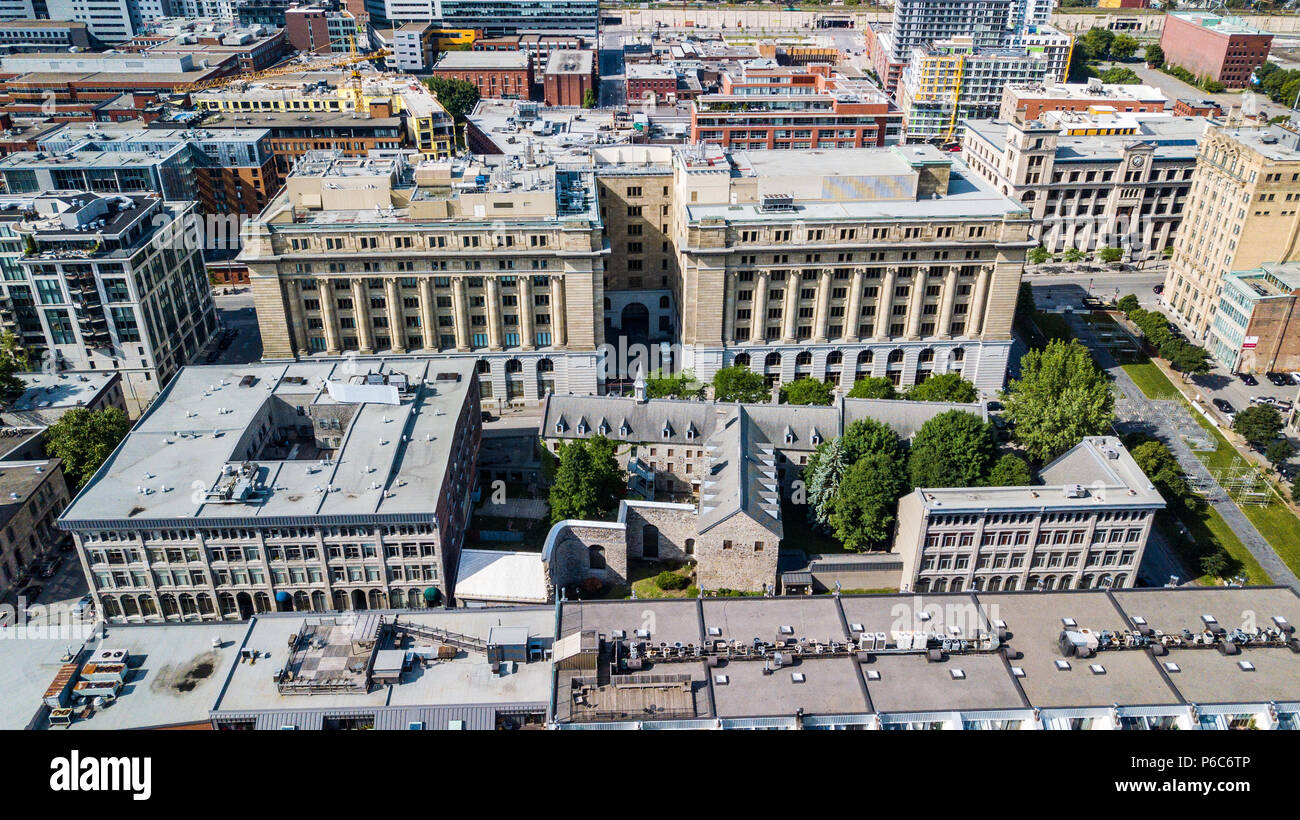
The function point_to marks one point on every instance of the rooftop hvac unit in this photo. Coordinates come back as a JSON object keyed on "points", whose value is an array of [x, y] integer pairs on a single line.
{"points": [[1074, 491]]}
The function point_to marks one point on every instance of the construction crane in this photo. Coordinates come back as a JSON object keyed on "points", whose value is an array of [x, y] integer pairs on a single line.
{"points": [[352, 59]]}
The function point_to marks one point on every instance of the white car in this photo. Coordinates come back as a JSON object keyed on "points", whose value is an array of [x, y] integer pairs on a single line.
{"points": [[1295, 376], [1262, 400]]}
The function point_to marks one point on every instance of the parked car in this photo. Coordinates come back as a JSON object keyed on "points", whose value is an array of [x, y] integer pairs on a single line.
{"points": [[83, 604], [1224, 406], [1295, 376], [50, 567], [1248, 379], [1278, 379], [1158, 289], [1262, 400]]}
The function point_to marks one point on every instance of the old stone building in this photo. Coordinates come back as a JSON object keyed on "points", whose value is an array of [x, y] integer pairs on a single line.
{"points": [[899, 263], [661, 442], [1086, 526], [732, 536], [364, 256], [1244, 211]]}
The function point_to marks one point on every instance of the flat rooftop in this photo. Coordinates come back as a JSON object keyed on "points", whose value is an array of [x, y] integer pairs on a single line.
{"points": [[54, 390], [391, 460], [1173, 138], [471, 60], [1098, 472], [465, 679]]}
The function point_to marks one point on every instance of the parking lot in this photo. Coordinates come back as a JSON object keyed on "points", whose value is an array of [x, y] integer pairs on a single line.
{"points": [[63, 589]]}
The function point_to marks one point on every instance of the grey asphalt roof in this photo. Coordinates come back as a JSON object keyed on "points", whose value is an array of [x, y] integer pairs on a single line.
{"points": [[208, 417], [740, 477], [692, 422]]}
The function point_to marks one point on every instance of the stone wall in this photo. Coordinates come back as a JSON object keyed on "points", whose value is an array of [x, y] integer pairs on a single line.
{"points": [[568, 558], [676, 527], [737, 554]]}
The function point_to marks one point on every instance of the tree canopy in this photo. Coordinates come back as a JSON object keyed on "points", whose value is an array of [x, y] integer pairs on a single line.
{"points": [[667, 386], [944, 387], [1010, 471], [808, 391], [457, 96], [13, 359], [737, 383], [588, 481], [873, 387], [83, 439], [952, 449], [863, 513], [1258, 424], [1059, 398]]}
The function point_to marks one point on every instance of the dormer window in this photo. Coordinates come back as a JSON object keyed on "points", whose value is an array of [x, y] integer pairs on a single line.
{"points": [[604, 429], [789, 438]]}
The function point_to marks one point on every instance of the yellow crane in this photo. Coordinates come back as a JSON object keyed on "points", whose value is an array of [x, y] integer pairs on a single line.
{"points": [[956, 97], [343, 61]]}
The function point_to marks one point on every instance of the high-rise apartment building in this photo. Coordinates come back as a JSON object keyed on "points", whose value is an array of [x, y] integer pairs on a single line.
{"points": [[917, 23], [117, 286], [1243, 211]]}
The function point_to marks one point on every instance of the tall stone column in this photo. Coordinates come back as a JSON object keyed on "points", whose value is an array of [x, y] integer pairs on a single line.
{"points": [[559, 313], [976, 324], [460, 304], [822, 315], [853, 312], [885, 303], [917, 300], [493, 289], [329, 315], [945, 310], [297, 323], [524, 284], [758, 315], [729, 310], [396, 321], [361, 314], [790, 311], [428, 319]]}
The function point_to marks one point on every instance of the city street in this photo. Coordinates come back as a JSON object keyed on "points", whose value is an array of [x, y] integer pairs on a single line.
{"points": [[236, 312]]}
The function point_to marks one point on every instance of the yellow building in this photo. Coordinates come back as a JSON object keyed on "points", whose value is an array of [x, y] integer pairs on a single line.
{"points": [[428, 125]]}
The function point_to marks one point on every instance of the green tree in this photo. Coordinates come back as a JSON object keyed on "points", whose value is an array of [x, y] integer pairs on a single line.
{"points": [[873, 387], [740, 384], [1278, 451], [1216, 564], [666, 386], [1037, 256], [1119, 75], [866, 436], [1188, 358], [1074, 255], [1128, 304], [13, 359], [1154, 54], [808, 391], [1258, 424], [1160, 465], [1096, 43], [83, 439], [863, 512], [1078, 71], [952, 449], [832, 459], [1010, 471], [1025, 305], [587, 480], [1059, 398], [589, 98], [1110, 255], [457, 96], [944, 387], [1123, 47]]}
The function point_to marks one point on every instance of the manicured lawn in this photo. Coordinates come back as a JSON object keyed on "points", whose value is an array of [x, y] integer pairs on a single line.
{"points": [[1276, 522], [1153, 383], [1053, 326], [642, 575]]}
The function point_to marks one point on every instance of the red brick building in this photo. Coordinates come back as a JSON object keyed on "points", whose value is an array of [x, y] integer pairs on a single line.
{"points": [[767, 106], [501, 74], [1226, 49], [1032, 101], [569, 76], [649, 81], [1197, 108]]}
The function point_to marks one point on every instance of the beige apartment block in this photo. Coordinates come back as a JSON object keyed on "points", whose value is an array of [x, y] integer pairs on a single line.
{"points": [[898, 262], [362, 256], [1242, 213]]}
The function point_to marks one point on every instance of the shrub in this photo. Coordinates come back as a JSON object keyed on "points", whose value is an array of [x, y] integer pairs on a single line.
{"points": [[667, 580]]}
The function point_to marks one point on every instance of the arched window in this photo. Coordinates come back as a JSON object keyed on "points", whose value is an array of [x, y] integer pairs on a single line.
{"points": [[741, 361], [596, 556], [546, 366], [484, 367], [649, 541], [834, 357], [690, 546], [958, 354], [866, 357], [514, 366], [803, 359], [926, 356], [895, 356], [772, 360], [664, 302], [1010, 585]]}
